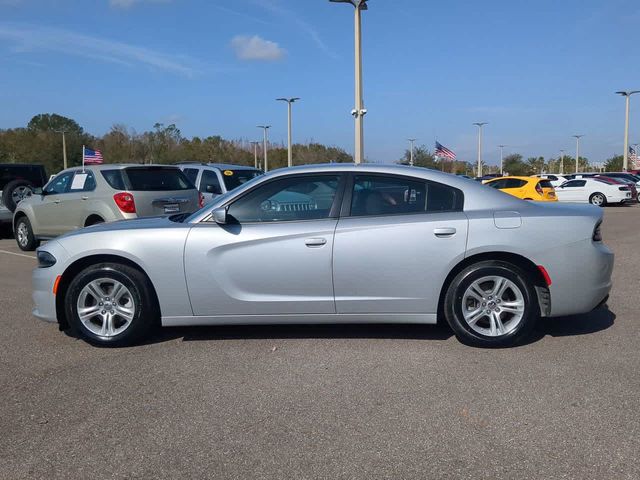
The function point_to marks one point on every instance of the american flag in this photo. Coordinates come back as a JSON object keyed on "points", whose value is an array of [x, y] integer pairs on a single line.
{"points": [[633, 157], [442, 151], [92, 157]]}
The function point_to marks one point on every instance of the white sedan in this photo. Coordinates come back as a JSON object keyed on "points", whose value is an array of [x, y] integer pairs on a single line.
{"points": [[594, 191], [556, 180]]}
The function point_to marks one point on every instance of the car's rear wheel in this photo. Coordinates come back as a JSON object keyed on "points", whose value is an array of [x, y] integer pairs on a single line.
{"points": [[598, 199], [25, 238], [111, 305], [491, 304], [16, 191]]}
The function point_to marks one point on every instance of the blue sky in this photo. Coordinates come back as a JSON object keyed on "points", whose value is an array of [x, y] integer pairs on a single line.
{"points": [[538, 72]]}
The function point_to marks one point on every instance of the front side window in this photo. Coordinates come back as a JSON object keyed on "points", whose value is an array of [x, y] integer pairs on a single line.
{"points": [[287, 200], [83, 182], [60, 184], [191, 174], [209, 183], [375, 195]]}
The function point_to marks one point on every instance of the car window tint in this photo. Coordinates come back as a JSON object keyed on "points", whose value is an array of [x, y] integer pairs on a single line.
{"points": [[114, 179], [88, 185], [209, 182], [191, 174], [288, 199], [386, 195], [498, 184], [157, 179], [515, 183], [60, 184], [546, 184], [575, 183], [235, 178]]}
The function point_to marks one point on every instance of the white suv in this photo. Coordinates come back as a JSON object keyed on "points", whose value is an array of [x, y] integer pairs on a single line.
{"points": [[215, 179]]}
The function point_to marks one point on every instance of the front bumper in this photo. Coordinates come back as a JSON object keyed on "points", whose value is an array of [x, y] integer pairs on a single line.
{"points": [[43, 280]]}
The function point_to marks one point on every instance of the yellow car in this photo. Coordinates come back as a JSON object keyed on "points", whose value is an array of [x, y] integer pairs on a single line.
{"points": [[526, 188]]}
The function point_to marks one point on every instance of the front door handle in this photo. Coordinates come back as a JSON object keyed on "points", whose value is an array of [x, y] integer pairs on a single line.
{"points": [[57, 200], [85, 198], [444, 232], [315, 242]]}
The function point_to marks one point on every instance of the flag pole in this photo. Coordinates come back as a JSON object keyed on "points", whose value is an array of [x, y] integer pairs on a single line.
{"points": [[82, 158]]}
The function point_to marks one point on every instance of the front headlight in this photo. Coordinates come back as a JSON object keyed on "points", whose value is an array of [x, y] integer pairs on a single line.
{"points": [[45, 259]]}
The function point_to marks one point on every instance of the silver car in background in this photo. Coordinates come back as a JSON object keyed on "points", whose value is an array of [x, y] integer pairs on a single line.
{"points": [[77, 198], [331, 244], [215, 179]]}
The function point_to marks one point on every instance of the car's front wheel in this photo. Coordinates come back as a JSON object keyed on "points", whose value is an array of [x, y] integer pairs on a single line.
{"points": [[491, 304], [25, 237], [111, 305]]}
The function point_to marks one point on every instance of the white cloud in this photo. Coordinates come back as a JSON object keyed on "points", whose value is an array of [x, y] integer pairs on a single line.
{"points": [[130, 3], [32, 38], [256, 48]]}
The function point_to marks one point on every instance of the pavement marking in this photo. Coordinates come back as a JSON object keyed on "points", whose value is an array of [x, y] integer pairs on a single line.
{"points": [[18, 254]]}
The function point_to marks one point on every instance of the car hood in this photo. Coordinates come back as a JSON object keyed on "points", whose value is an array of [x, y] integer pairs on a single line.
{"points": [[147, 223]]}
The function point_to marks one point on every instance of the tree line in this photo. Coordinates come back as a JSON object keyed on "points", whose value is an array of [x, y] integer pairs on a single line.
{"points": [[514, 164], [41, 142]]}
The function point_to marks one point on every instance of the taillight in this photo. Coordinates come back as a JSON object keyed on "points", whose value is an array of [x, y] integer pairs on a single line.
{"points": [[539, 189], [200, 200], [125, 202], [597, 233]]}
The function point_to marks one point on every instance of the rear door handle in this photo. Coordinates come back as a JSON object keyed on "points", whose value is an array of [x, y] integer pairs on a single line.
{"points": [[85, 198], [444, 232], [57, 200], [315, 242]]}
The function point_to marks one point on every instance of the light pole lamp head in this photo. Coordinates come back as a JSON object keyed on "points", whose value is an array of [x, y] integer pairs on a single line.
{"points": [[288, 100], [361, 4], [627, 93], [481, 124]]}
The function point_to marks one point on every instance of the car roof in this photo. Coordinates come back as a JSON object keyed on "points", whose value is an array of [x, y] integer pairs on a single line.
{"points": [[527, 179], [221, 166], [112, 166]]}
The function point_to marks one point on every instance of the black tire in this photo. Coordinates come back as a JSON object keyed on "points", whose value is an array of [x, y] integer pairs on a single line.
{"points": [[593, 199], [453, 305], [145, 316], [8, 191], [25, 237]]}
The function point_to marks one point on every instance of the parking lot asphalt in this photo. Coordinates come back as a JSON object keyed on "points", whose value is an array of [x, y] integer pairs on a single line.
{"points": [[330, 402]]}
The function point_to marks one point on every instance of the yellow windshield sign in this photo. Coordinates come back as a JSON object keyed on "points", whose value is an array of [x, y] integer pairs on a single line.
{"points": [[228, 173]]}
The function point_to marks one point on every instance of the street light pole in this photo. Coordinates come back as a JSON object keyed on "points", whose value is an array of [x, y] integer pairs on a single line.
{"points": [[561, 166], [577, 137], [265, 128], [501, 158], [480, 125], [627, 95], [255, 153], [359, 111], [412, 141], [289, 102], [64, 149]]}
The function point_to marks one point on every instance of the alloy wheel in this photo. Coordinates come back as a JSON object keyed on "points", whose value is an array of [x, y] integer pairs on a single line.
{"points": [[20, 193], [105, 307], [22, 233], [493, 306]]}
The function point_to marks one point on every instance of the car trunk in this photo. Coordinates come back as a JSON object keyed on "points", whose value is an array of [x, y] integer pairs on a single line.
{"points": [[160, 190]]}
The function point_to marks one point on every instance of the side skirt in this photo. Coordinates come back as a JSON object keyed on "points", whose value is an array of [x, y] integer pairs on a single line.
{"points": [[426, 318]]}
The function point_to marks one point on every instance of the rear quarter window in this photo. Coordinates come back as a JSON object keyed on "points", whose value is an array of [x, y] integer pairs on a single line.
{"points": [[160, 179], [114, 179], [546, 184]]}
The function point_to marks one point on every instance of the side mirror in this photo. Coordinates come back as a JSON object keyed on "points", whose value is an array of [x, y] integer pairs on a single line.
{"points": [[220, 216], [214, 189]]}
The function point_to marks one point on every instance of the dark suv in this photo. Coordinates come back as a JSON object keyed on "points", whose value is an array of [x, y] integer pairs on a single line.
{"points": [[18, 181]]}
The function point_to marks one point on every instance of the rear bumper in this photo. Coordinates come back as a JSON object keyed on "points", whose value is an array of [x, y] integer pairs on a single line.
{"points": [[581, 276]]}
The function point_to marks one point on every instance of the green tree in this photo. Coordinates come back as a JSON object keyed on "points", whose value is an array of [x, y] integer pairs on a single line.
{"points": [[514, 165], [52, 122], [614, 164]]}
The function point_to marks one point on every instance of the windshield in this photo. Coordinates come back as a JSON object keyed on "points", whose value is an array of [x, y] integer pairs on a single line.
{"points": [[235, 178]]}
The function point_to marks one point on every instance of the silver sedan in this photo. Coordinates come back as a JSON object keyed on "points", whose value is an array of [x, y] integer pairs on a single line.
{"points": [[332, 244]]}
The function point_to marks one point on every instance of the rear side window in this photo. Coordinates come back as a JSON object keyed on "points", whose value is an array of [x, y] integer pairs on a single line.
{"points": [[157, 179], [386, 195], [514, 183], [114, 179]]}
